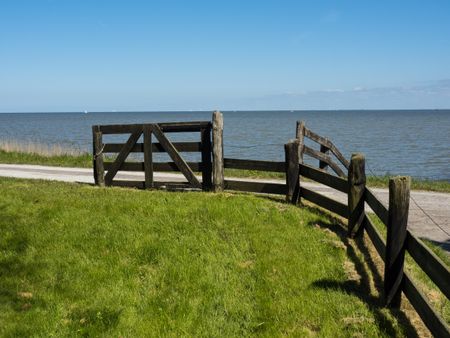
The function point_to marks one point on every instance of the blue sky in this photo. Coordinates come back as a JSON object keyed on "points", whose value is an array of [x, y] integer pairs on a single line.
{"points": [[65, 55]]}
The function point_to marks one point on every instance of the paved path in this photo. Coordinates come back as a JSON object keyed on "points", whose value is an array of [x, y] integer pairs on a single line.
{"points": [[429, 211]]}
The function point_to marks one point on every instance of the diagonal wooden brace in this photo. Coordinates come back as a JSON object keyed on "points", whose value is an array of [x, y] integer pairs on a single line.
{"points": [[124, 152], [175, 156]]}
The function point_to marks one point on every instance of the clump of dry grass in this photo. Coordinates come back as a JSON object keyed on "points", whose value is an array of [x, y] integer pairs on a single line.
{"points": [[37, 148]]}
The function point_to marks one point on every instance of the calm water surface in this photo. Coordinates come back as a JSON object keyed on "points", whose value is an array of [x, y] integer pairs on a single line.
{"points": [[415, 143]]}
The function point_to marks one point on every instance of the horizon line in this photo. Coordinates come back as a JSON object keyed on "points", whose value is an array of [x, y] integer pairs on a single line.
{"points": [[224, 110]]}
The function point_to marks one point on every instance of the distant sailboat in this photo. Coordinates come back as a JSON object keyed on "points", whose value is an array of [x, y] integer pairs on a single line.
{"points": [[85, 111]]}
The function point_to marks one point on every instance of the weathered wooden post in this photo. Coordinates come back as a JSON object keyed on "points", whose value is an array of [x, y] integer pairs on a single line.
{"points": [[206, 159], [291, 150], [357, 186], [99, 170], [148, 156], [396, 235], [325, 150], [218, 179], [300, 136]]}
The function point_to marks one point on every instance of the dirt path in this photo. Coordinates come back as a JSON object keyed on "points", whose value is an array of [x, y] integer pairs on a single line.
{"points": [[429, 211]]}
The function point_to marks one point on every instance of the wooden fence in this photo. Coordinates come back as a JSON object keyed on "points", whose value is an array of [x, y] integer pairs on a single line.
{"points": [[353, 183], [399, 239], [147, 147]]}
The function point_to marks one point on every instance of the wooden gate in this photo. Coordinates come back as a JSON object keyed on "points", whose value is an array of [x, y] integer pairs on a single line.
{"points": [[148, 147]]}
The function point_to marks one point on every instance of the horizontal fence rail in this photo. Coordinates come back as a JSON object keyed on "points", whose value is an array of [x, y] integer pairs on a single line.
{"points": [[324, 202], [328, 144], [324, 158], [375, 237], [432, 320], [233, 163], [320, 176], [257, 187], [376, 205], [168, 127], [157, 166], [431, 264], [156, 147]]}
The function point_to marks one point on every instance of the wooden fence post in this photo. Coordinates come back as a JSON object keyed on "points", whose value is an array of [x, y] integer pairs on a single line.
{"points": [[291, 150], [324, 150], [148, 156], [300, 136], [357, 186], [206, 158], [396, 236], [218, 179], [99, 170]]}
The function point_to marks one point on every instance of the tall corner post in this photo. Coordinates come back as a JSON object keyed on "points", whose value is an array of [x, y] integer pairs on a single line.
{"points": [[291, 150], [218, 165], [399, 192], [357, 187], [97, 158]]}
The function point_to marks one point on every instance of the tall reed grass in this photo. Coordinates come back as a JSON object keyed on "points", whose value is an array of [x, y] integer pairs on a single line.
{"points": [[36, 148]]}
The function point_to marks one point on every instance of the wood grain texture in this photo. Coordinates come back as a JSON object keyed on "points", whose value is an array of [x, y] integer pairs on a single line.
{"points": [[325, 178], [218, 167], [168, 127], [356, 188], [291, 151], [187, 147], [324, 158], [258, 187], [270, 166], [97, 156], [328, 144], [396, 236]]}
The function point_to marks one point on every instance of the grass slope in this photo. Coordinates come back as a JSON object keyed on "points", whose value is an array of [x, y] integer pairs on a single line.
{"points": [[83, 261]]}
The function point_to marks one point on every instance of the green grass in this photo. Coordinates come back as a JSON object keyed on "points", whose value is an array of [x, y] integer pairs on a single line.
{"points": [[85, 161], [416, 184], [77, 260]]}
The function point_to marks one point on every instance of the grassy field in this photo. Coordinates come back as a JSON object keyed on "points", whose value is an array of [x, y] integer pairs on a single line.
{"points": [[77, 260], [84, 160]]}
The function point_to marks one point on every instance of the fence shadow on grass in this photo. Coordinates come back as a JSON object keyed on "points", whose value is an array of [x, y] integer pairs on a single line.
{"points": [[444, 245], [367, 270]]}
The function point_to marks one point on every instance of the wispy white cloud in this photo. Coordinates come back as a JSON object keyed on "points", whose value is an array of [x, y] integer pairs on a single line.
{"points": [[433, 94]]}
